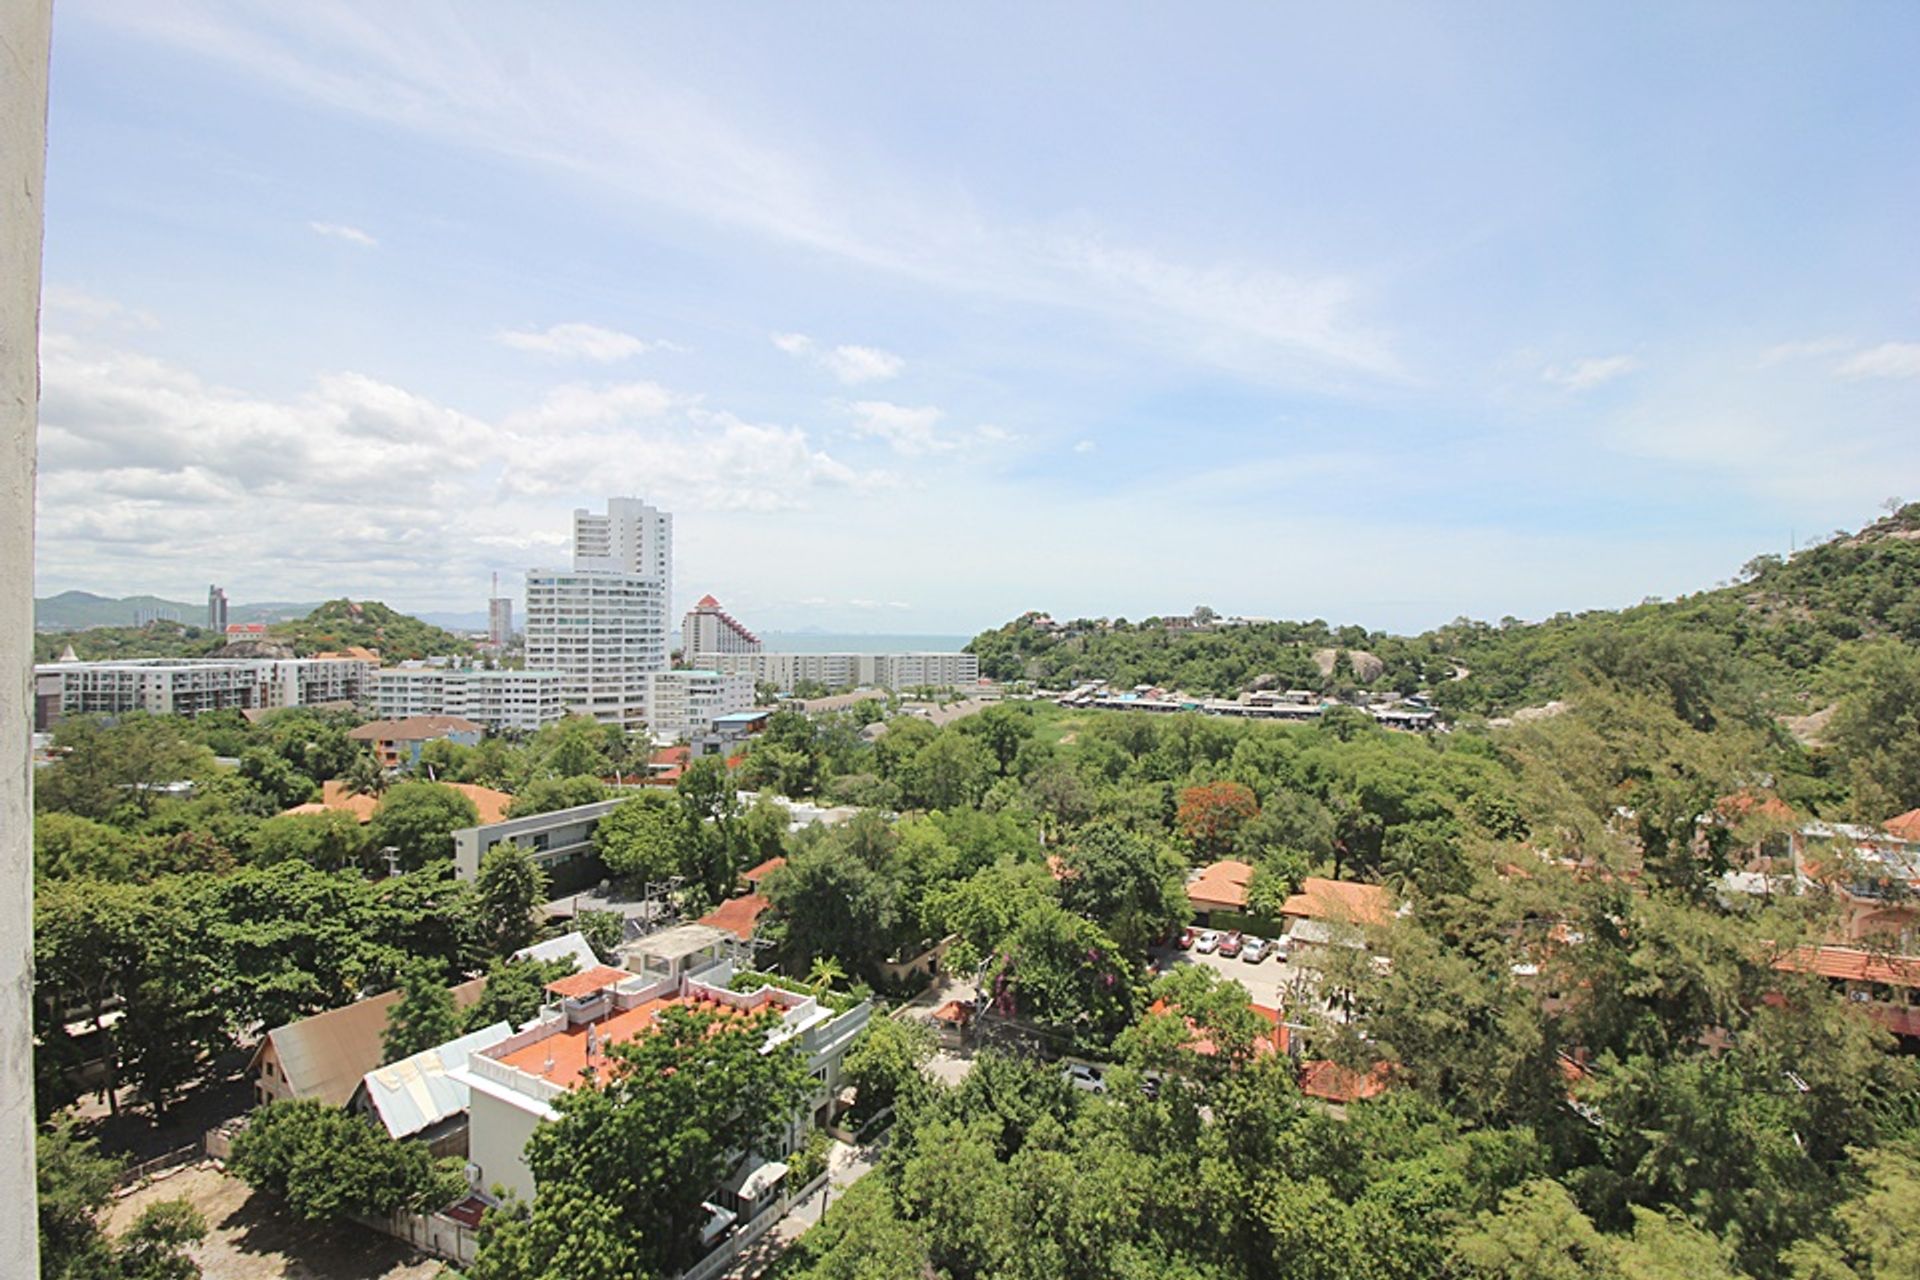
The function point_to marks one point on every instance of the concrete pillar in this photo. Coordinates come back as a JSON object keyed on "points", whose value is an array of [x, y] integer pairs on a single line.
{"points": [[25, 28]]}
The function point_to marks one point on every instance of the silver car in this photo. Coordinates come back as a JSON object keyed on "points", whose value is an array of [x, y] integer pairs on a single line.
{"points": [[1208, 941], [1253, 950]]}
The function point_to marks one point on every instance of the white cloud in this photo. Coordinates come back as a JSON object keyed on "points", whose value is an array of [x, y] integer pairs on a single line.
{"points": [[578, 341], [907, 429], [1786, 352], [853, 365], [1584, 375], [1084, 446], [355, 485], [1888, 360], [62, 304], [341, 231]]}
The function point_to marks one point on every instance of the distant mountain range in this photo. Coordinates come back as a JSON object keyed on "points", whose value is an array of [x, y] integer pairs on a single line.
{"points": [[79, 610]]}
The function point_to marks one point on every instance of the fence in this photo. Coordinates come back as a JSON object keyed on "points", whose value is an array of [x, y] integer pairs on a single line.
{"points": [[146, 1169], [432, 1233], [717, 1262]]}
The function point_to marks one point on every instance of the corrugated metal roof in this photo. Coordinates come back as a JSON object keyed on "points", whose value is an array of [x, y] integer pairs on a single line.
{"points": [[572, 946], [325, 1056], [417, 1093]]}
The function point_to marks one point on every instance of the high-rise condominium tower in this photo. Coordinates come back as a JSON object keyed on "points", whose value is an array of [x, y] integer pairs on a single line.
{"points": [[603, 622], [216, 610], [708, 628]]}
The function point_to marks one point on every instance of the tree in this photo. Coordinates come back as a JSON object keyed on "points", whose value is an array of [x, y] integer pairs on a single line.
{"points": [[574, 747], [711, 807], [834, 904], [824, 972], [1210, 814], [423, 1017], [365, 776], [624, 1170], [1876, 732], [325, 1163], [511, 889], [514, 992], [116, 772], [887, 1062], [1125, 882], [279, 782], [603, 930], [330, 840], [544, 795], [643, 838], [417, 820], [951, 771], [67, 847], [75, 1184], [1063, 971]]}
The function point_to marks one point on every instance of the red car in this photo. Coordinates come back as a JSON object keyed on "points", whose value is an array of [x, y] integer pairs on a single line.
{"points": [[1186, 938], [1230, 945]]}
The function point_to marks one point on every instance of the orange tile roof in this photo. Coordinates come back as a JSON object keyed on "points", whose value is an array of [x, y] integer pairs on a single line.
{"points": [[568, 1049], [1751, 803], [737, 915], [490, 804], [1850, 964], [761, 872], [957, 1012], [1329, 1081], [1346, 901], [1271, 1042], [1906, 826], [412, 729], [592, 980], [1224, 884]]}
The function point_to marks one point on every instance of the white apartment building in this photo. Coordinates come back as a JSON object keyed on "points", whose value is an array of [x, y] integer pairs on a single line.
{"points": [[603, 622], [511, 1086], [843, 670], [189, 686], [708, 628], [517, 701], [684, 704]]}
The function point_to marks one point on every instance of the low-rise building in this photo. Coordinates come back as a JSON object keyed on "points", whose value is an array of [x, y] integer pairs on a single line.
{"points": [[397, 743], [423, 1097], [1887, 988], [325, 1057], [512, 1085], [561, 843], [685, 703], [1220, 886], [489, 804], [499, 700], [894, 671], [189, 686]]}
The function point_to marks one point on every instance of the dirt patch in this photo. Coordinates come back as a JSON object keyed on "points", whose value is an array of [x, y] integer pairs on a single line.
{"points": [[250, 1238], [1810, 730]]}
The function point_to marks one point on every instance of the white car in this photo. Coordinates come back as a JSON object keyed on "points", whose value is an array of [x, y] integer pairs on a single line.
{"points": [[1207, 942], [1254, 950], [1084, 1077]]}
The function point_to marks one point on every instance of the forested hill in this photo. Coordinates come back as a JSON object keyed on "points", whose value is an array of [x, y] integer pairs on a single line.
{"points": [[334, 625], [1789, 631]]}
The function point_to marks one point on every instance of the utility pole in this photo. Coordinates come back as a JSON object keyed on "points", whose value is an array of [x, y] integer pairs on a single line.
{"points": [[26, 28]]}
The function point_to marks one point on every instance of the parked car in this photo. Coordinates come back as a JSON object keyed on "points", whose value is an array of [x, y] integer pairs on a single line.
{"points": [[1206, 942], [1282, 948], [1255, 950], [1084, 1077], [1231, 944], [1186, 938]]}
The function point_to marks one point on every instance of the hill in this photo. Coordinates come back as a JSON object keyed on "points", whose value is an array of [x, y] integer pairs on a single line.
{"points": [[337, 624], [79, 610], [1791, 630]]}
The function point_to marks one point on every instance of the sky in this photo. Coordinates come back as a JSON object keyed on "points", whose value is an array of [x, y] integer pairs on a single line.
{"points": [[920, 316]]}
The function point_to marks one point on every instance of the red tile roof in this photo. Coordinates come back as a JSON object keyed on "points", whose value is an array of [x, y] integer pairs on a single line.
{"points": [[567, 1049], [737, 915], [1906, 826], [761, 872], [1329, 1081]]}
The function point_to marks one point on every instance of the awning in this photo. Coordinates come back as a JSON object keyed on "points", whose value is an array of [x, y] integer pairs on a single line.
{"points": [[751, 1181], [717, 1224]]}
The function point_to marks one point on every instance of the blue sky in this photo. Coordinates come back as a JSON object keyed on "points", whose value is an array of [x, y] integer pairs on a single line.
{"points": [[919, 317]]}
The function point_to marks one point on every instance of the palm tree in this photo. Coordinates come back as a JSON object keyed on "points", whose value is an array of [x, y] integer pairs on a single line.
{"points": [[365, 777], [825, 972]]}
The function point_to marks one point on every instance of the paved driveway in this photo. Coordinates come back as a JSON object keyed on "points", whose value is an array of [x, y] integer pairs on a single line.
{"points": [[1273, 983]]}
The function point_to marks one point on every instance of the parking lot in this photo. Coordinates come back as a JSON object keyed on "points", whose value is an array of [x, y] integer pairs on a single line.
{"points": [[1274, 983]]}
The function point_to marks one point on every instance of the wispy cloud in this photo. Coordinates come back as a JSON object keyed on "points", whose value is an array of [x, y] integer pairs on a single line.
{"points": [[341, 231], [65, 304], [852, 365], [1084, 446], [579, 342], [1888, 360], [907, 429], [1591, 372], [422, 72]]}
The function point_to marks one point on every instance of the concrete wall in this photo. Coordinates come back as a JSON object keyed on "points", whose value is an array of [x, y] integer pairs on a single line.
{"points": [[497, 1136], [25, 30]]}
